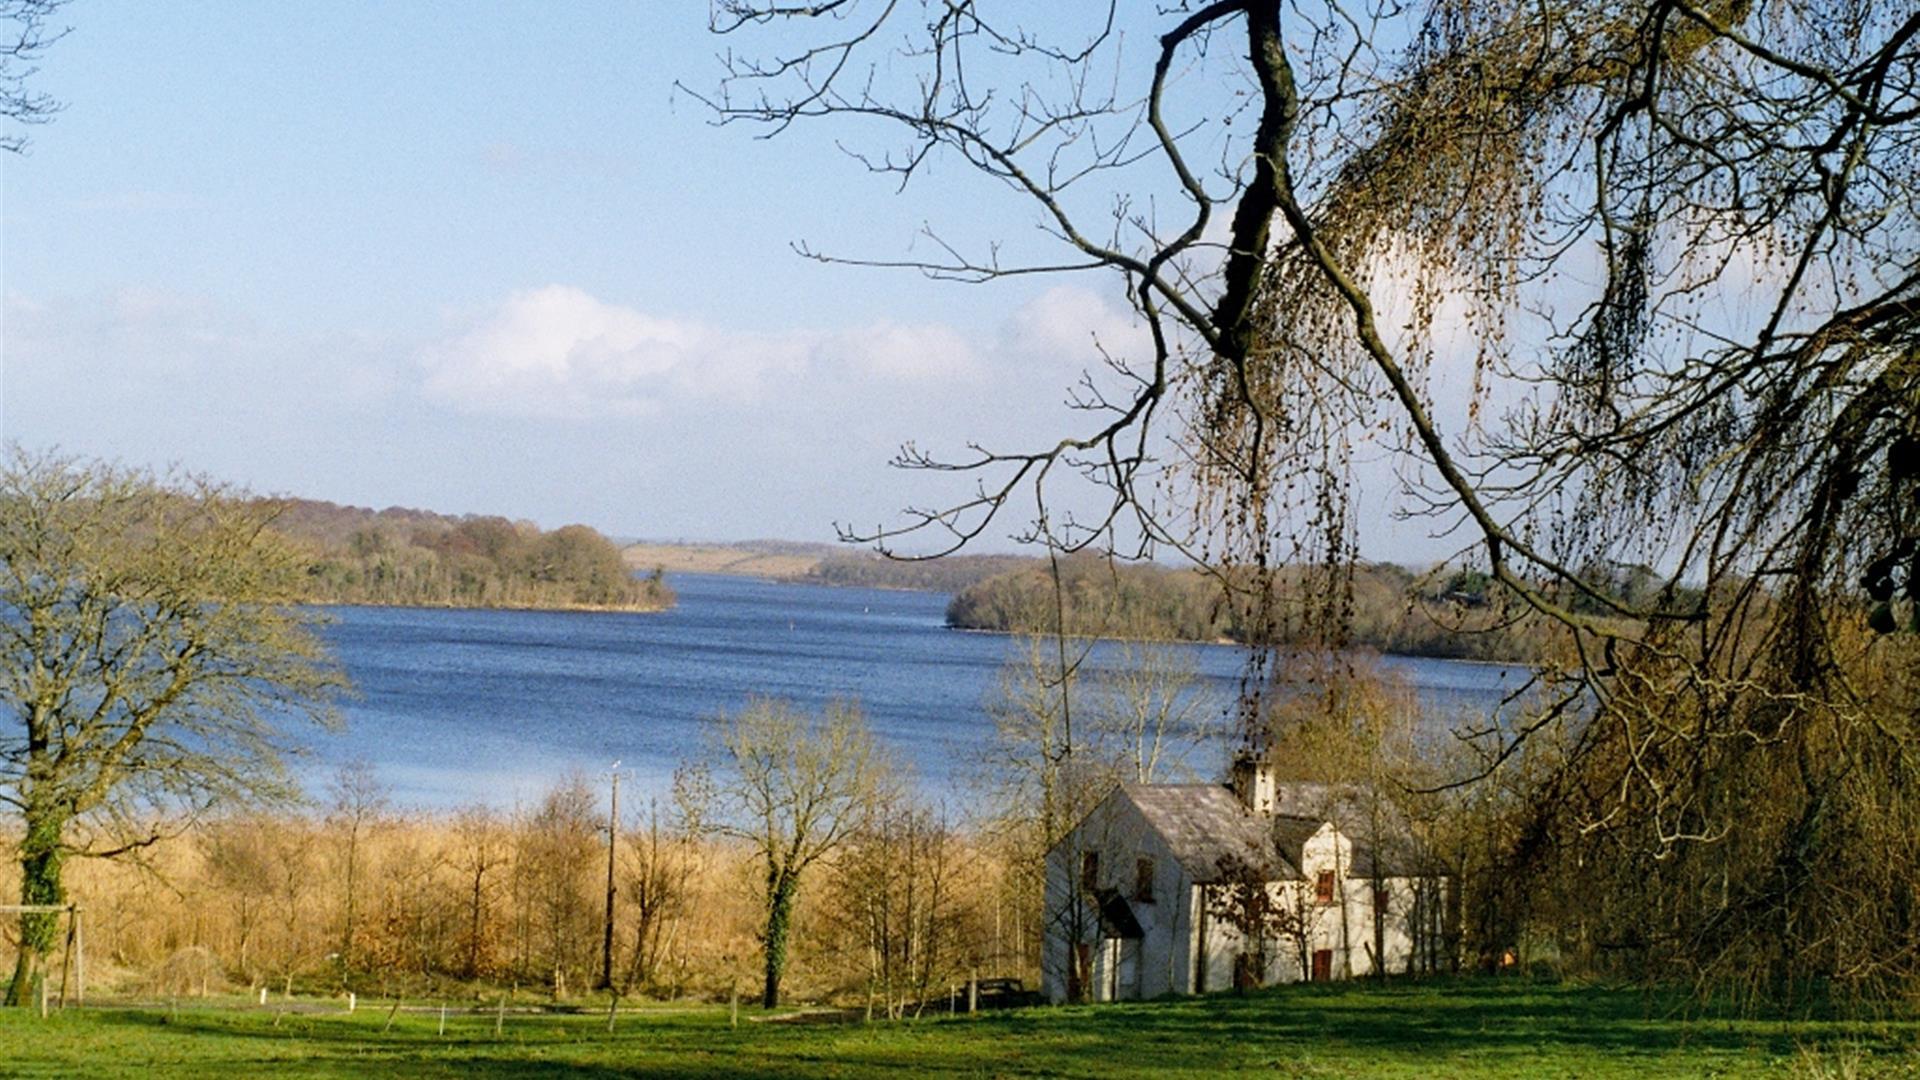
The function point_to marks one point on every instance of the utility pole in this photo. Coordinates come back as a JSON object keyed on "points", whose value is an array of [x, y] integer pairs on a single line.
{"points": [[613, 837]]}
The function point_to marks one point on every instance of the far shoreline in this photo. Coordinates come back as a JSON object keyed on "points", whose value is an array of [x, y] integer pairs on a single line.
{"points": [[1222, 641], [590, 609], [812, 582], [1229, 643]]}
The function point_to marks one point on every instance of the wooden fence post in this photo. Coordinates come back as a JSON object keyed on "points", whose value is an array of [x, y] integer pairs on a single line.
{"points": [[79, 960], [66, 962]]}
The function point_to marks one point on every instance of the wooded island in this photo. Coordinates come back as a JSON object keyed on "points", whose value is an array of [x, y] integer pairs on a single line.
{"points": [[1394, 609], [416, 557]]}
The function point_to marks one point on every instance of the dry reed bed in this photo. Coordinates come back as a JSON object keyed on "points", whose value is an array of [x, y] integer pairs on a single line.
{"points": [[473, 902]]}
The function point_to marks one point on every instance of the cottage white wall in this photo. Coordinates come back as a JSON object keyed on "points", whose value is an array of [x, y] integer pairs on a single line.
{"points": [[1334, 927], [1212, 945], [1168, 956], [1120, 834], [1343, 927], [1055, 940], [1396, 935]]}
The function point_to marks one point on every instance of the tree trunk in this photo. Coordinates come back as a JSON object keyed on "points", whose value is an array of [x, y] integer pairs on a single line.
{"points": [[473, 925], [39, 884], [353, 866], [780, 893]]}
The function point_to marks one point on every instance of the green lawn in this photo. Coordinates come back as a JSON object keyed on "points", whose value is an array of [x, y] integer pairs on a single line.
{"points": [[1464, 1029]]}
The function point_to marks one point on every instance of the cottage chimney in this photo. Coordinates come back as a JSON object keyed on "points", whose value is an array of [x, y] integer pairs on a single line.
{"points": [[1251, 779]]}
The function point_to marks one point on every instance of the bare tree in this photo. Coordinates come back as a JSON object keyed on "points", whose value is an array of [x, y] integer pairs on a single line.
{"points": [[662, 860], [1062, 741], [242, 864], [895, 892], [26, 35], [481, 851], [418, 916], [794, 788], [1045, 774], [293, 844], [1149, 709], [555, 853], [148, 656], [359, 804]]}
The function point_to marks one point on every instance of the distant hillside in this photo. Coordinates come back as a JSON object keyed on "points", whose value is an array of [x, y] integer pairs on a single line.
{"points": [[767, 559], [820, 564], [948, 574], [417, 557]]}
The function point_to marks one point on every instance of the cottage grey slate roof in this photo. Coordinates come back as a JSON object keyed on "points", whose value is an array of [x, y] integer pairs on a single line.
{"points": [[1371, 823], [1291, 833], [1207, 829]]}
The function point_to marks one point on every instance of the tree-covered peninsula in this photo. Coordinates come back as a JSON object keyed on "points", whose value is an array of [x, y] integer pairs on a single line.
{"points": [[417, 557], [1394, 609]]}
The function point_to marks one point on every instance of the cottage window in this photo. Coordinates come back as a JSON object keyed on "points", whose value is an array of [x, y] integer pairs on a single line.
{"points": [[1382, 898], [1089, 870], [1323, 887], [1143, 880]]}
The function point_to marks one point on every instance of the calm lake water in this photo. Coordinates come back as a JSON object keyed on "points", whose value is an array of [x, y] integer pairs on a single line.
{"points": [[493, 706]]}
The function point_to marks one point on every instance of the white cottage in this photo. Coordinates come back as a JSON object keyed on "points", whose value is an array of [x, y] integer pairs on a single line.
{"points": [[1186, 888]]}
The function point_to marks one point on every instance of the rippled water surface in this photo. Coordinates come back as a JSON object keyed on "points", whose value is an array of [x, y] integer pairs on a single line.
{"points": [[492, 706]]}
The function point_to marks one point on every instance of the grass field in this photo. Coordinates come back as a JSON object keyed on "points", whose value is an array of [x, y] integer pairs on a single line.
{"points": [[1467, 1029], [717, 559]]}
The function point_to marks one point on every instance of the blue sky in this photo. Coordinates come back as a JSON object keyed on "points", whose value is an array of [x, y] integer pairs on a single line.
{"points": [[485, 258]]}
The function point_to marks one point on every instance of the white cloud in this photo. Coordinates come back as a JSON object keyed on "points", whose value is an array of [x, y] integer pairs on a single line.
{"points": [[558, 351], [1072, 326], [140, 329], [929, 351], [1068, 323], [178, 355]]}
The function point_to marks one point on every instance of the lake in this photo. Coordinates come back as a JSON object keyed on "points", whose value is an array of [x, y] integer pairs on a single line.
{"points": [[459, 706]]}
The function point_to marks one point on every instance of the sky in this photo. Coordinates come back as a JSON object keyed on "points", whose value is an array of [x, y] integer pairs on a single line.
{"points": [[486, 258]]}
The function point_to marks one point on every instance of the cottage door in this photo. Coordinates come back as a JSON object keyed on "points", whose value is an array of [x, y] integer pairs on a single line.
{"points": [[1322, 965]]}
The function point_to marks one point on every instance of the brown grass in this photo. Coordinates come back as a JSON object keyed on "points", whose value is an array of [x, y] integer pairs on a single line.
{"points": [[236, 905], [716, 559]]}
